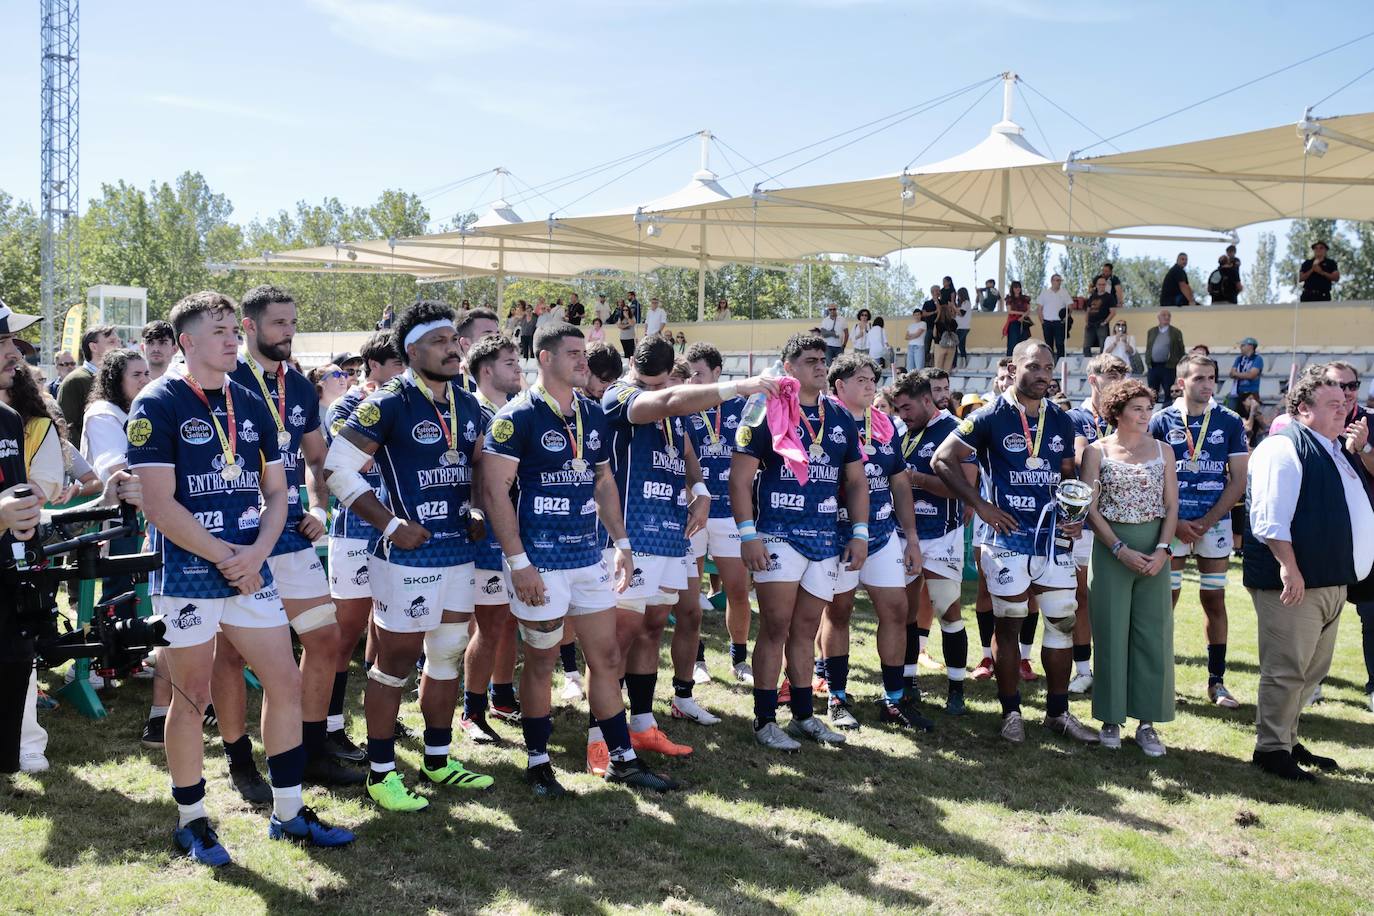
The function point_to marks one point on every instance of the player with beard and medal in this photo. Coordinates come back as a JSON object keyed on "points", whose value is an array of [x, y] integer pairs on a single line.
{"points": [[203, 447], [422, 430], [555, 443], [802, 450], [493, 362], [715, 440], [350, 583], [1212, 456], [1104, 370], [1024, 445], [269, 325], [891, 559], [939, 523], [664, 501]]}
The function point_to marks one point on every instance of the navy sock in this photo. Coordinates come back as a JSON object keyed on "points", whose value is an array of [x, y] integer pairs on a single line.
{"points": [[287, 768], [592, 721], [1216, 663], [312, 737], [474, 704], [956, 688], [1084, 652], [801, 703], [683, 688], [189, 795], [819, 667], [503, 695], [381, 750], [913, 644], [537, 730], [568, 654], [240, 752], [437, 737], [1010, 703], [1056, 704], [987, 622], [641, 690], [765, 707], [954, 646], [338, 693], [616, 731], [701, 650], [837, 670], [739, 653], [893, 683]]}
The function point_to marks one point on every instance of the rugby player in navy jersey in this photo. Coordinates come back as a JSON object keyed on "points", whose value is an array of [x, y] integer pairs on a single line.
{"points": [[853, 379], [921, 612], [1024, 445], [1212, 456], [473, 325], [939, 523], [793, 549], [269, 325], [555, 443], [664, 502], [423, 432], [715, 441], [203, 447], [1104, 370], [349, 536], [494, 364]]}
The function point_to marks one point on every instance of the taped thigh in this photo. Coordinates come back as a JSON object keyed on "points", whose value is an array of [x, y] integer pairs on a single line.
{"points": [[321, 615]]}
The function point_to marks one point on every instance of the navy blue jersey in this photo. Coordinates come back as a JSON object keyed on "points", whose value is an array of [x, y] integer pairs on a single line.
{"points": [[422, 485], [806, 515], [936, 516], [1198, 490], [556, 508], [713, 436], [487, 553], [995, 432], [346, 523], [650, 473], [171, 427], [879, 466], [1088, 424], [302, 415]]}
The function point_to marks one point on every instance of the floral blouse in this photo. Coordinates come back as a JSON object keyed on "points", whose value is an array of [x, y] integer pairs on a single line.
{"points": [[1132, 493]]}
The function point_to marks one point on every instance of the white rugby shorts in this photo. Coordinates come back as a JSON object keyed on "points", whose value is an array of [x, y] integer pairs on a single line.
{"points": [[194, 621], [568, 593], [348, 569], [412, 599], [1010, 573], [785, 564], [299, 574], [1217, 543], [886, 568], [720, 538]]}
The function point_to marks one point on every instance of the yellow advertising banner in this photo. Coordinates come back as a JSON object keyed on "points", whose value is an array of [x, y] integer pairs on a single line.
{"points": [[72, 328]]}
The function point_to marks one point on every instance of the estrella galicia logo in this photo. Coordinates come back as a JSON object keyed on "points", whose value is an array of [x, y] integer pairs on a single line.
{"points": [[1175, 436], [554, 441], [196, 431], [1015, 442], [426, 432], [186, 618], [361, 576], [492, 586], [417, 608]]}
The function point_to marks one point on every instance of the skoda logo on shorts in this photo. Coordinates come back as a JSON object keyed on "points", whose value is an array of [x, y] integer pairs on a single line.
{"points": [[554, 441], [426, 432], [1014, 443], [196, 431]]}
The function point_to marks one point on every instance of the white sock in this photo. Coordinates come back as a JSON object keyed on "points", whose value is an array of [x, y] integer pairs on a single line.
{"points": [[536, 759], [921, 641], [987, 652], [1083, 668], [382, 767], [1026, 651], [908, 670], [956, 674], [334, 723], [434, 751], [286, 802], [188, 813], [157, 712], [594, 735], [642, 722]]}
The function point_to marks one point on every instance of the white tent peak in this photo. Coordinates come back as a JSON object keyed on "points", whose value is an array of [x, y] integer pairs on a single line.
{"points": [[499, 214], [1002, 148]]}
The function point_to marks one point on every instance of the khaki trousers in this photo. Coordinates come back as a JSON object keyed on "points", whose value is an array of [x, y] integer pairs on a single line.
{"points": [[1295, 646]]}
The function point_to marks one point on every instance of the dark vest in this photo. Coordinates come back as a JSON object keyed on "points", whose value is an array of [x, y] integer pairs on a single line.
{"points": [[1322, 540]]}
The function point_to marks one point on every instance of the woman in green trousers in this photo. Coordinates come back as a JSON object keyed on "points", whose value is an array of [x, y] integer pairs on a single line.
{"points": [[1133, 514]]}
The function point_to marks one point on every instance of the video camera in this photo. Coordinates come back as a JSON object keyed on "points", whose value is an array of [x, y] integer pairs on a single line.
{"points": [[117, 639]]}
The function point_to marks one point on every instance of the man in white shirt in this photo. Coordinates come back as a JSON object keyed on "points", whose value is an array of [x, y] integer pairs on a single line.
{"points": [[603, 308], [656, 320], [915, 342], [1051, 306], [835, 332]]}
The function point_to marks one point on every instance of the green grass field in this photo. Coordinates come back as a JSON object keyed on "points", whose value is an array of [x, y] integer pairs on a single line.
{"points": [[955, 821]]}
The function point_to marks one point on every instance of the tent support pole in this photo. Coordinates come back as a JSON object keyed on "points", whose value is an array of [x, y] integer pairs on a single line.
{"points": [[1002, 265], [501, 278], [701, 267]]}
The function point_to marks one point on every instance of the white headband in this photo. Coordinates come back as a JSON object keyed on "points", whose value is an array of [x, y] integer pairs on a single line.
{"points": [[420, 330]]}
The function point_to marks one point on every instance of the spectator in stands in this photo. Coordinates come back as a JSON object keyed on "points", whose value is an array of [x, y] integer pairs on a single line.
{"points": [[159, 347], [388, 316], [625, 320], [575, 311], [928, 309], [968, 404], [657, 320], [835, 332], [1163, 350], [528, 324], [1017, 327], [1245, 372], [104, 445], [75, 389], [1113, 281], [1051, 306], [916, 343], [723, 310], [330, 383], [1100, 311], [1224, 284], [603, 308], [1002, 380], [1175, 290], [680, 345], [1317, 274], [1196, 349], [1121, 344], [879, 348], [964, 308], [636, 309], [947, 290], [597, 334], [946, 336], [65, 363], [988, 297], [863, 320]]}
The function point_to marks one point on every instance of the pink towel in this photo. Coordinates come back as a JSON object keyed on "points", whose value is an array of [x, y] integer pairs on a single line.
{"points": [[883, 430], [783, 415]]}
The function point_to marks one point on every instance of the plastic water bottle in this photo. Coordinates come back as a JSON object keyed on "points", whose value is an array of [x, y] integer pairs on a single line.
{"points": [[756, 408]]}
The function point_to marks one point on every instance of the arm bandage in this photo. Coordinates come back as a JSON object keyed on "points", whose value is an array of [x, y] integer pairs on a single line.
{"points": [[345, 463]]}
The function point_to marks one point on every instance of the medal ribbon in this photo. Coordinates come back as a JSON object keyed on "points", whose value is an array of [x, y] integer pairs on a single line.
{"points": [[715, 433], [1039, 429], [576, 441], [1194, 448], [820, 420], [909, 444], [277, 407], [450, 427], [226, 443], [868, 431]]}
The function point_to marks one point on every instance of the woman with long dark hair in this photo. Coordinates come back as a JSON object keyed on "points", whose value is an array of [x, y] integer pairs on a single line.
{"points": [[1018, 324], [121, 376]]}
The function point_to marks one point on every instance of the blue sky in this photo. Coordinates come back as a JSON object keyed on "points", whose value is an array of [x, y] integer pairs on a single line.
{"points": [[299, 99]]}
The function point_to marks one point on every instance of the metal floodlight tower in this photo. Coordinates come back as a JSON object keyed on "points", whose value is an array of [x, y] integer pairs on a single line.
{"points": [[58, 187]]}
